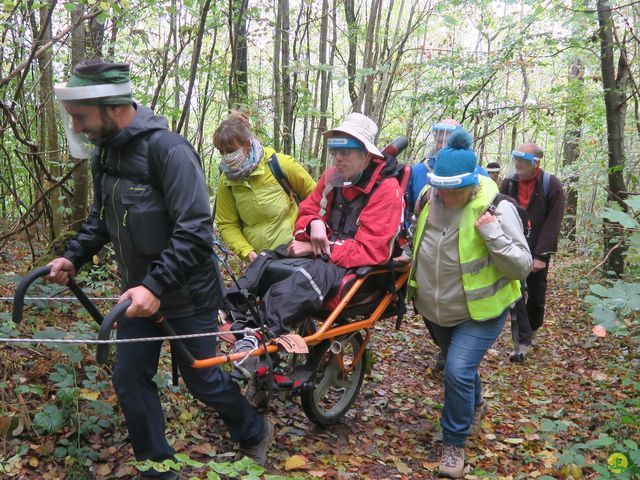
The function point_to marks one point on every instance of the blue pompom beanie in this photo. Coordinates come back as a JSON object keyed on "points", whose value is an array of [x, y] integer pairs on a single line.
{"points": [[456, 158]]}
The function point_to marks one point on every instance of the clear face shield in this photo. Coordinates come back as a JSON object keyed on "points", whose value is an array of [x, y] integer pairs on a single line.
{"points": [[349, 159], [521, 166], [79, 144], [439, 138]]}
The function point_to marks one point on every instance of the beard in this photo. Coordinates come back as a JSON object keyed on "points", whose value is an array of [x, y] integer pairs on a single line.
{"points": [[108, 129]]}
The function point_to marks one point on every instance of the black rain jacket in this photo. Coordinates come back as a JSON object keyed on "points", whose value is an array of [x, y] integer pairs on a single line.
{"points": [[151, 202]]}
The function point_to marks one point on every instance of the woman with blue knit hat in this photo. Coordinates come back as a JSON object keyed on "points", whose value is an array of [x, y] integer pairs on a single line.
{"points": [[468, 258]]}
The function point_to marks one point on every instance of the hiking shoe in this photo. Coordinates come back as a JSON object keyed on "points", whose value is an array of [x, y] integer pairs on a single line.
{"points": [[520, 353], [440, 362], [259, 452], [248, 365], [478, 414], [451, 462]]}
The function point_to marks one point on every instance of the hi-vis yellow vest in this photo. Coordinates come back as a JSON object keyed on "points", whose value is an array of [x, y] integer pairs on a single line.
{"points": [[487, 290]]}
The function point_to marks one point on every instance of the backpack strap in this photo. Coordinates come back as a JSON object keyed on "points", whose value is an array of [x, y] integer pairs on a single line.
{"points": [[546, 179], [153, 152], [281, 177]]}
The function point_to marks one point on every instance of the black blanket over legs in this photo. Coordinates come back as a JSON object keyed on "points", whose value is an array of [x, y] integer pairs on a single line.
{"points": [[289, 289]]}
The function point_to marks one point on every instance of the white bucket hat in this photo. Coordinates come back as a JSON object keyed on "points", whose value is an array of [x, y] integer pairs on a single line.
{"points": [[360, 127]]}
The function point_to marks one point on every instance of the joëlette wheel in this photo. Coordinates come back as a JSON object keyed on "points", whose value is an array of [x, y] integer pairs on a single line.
{"points": [[334, 392]]}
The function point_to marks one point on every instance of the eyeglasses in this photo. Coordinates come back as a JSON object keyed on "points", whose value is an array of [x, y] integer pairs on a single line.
{"points": [[343, 152]]}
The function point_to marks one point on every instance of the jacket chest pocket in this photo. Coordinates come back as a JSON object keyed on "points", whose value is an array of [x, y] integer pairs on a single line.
{"points": [[144, 216], [270, 201]]}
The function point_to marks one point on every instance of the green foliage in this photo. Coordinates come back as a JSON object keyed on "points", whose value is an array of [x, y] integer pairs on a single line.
{"points": [[615, 307], [244, 468]]}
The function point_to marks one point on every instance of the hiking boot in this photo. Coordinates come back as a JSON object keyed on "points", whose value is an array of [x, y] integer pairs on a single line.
{"points": [[520, 353], [259, 452], [248, 365], [478, 414], [440, 362], [451, 462]]}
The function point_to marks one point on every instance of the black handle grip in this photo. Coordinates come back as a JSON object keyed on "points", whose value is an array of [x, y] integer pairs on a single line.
{"points": [[102, 352], [396, 147], [401, 143], [117, 312], [33, 275], [21, 289]]}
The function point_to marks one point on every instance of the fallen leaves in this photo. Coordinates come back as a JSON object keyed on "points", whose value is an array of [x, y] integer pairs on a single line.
{"points": [[558, 397], [296, 462]]}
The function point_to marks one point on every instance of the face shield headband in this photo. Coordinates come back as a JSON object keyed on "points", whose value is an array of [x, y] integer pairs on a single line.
{"points": [[441, 134], [524, 156], [342, 142], [521, 166], [79, 144], [456, 181]]}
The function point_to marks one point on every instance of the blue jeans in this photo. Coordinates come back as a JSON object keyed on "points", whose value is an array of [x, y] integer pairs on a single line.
{"points": [[137, 363], [464, 347]]}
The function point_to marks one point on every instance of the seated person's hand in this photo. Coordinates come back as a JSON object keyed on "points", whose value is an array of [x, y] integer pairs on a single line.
{"points": [[300, 249], [404, 258], [319, 240], [252, 256]]}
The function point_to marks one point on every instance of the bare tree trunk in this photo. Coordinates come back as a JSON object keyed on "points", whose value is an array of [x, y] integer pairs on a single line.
{"points": [[365, 95], [49, 134], [325, 78], [352, 28], [277, 79], [195, 58], [572, 135], [176, 79], [238, 77], [81, 172], [614, 86], [287, 102], [96, 38], [206, 96]]}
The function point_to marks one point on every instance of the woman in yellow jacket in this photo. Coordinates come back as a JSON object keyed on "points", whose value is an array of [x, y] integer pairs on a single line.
{"points": [[253, 212]]}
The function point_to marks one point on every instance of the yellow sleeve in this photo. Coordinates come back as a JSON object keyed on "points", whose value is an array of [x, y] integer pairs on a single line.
{"points": [[300, 180], [228, 221]]}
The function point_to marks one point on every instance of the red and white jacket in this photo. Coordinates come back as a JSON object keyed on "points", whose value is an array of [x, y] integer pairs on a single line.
{"points": [[378, 223]]}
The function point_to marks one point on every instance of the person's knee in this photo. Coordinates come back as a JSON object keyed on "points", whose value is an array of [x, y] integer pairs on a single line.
{"points": [[126, 378], [456, 375], [207, 385], [122, 380]]}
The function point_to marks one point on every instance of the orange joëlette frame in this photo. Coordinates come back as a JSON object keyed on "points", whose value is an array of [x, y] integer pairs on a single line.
{"points": [[325, 332]]}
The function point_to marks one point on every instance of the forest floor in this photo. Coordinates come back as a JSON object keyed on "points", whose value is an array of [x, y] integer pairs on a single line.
{"points": [[575, 388]]}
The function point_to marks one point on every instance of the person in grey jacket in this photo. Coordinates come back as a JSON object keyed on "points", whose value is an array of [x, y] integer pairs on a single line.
{"points": [[467, 263], [151, 203]]}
